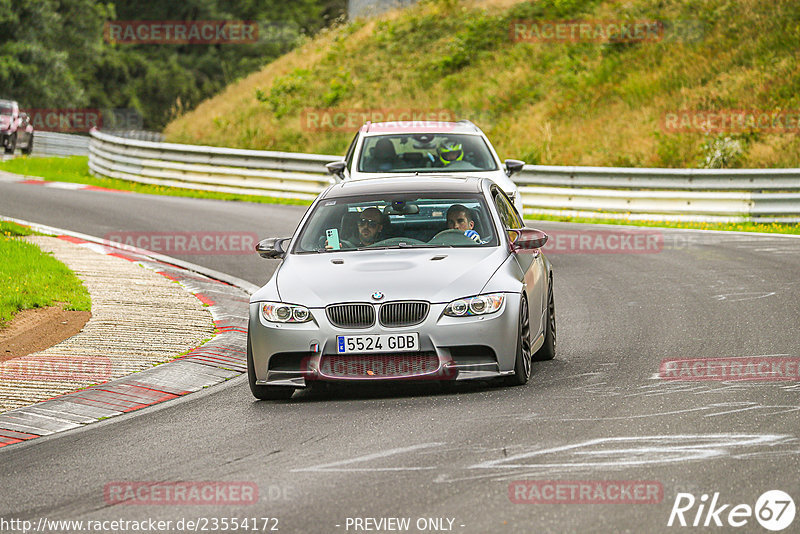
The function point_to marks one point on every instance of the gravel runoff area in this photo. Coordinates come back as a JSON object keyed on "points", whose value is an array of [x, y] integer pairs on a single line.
{"points": [[139, 319]]}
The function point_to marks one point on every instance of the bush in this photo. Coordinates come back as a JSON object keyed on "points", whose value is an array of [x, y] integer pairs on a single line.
{"points": [[722, 152]]}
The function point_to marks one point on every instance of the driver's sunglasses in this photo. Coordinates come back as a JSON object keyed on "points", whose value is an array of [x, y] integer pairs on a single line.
{"points": [[368, 222]]}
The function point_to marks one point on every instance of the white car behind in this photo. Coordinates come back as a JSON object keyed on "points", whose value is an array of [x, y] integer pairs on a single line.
{"points": [[413, 147]]}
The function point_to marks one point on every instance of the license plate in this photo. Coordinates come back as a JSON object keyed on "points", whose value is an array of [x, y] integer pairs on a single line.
{"points": [[377, 343]]}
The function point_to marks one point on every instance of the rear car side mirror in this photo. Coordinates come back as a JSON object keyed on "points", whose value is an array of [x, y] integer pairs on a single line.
{"points": [[513, 166], [336, 168], [527, 239], [273, 248]]}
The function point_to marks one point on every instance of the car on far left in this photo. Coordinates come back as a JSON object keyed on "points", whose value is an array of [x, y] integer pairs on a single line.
{"points": [[16, 129]]}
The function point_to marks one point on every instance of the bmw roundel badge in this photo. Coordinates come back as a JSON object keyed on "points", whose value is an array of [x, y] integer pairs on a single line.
{"points": [[377, 295]]}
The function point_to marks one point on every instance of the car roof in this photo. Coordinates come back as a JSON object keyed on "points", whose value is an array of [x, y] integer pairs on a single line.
{"points": [[382, 128], [407, 183]]}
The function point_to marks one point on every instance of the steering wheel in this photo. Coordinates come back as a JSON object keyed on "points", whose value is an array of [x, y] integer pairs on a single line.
{"points": [[448, 231]]}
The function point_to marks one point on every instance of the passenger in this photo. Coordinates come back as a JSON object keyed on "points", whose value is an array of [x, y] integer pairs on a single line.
{"points": [[459, 217], [369, 225], [384, 157]]}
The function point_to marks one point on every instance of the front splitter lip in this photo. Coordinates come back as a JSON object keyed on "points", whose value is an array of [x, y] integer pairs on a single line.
{"points": [[440, 373], [447, 371]]}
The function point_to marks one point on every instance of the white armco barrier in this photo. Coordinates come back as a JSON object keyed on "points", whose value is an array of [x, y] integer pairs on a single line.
{"points": [[599, 192], [59, 144]]}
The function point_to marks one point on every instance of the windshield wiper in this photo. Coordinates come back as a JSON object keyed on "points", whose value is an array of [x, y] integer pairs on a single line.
{"points": [[400, 245]]}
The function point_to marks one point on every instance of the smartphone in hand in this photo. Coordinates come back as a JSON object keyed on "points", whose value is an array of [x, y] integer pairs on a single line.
{"points": [[333, 238]]}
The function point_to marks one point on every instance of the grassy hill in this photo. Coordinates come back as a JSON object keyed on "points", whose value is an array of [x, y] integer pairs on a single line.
{"points": [[560, 103]]}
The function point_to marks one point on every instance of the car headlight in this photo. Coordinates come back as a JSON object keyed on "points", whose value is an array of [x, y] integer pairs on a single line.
{"points": [[278, 312], [477, 305]]}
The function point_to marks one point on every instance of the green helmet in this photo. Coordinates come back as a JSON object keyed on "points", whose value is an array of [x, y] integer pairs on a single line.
{"points": [[450, 152]]}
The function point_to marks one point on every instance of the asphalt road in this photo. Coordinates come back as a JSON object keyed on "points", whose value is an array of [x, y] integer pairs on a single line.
{"points": [[598, 412]]}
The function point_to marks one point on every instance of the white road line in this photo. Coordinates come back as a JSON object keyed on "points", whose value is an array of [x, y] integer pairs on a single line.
{"points": [[334, 466]]}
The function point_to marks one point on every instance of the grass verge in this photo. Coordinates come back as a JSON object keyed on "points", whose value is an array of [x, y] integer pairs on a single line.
{"points": [[30, 278], [75, 169], [10, 229]]}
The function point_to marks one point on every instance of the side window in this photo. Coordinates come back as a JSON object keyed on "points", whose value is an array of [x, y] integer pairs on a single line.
{"points": [[507, 213], [348, 158]]}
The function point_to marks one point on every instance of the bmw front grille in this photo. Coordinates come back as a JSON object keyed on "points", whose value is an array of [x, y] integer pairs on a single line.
{"points": [[355, 315], [392, 314], [395, 314]]}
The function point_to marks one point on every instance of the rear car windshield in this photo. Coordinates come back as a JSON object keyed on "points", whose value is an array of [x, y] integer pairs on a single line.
{"points": [[425, 153], [397, 221]]}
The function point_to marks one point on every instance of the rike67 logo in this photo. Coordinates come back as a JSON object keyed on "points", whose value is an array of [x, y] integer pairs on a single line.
{"points": [[774, 510]]}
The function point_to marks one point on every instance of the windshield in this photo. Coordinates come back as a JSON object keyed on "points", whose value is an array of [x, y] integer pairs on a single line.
{"points": [[425, 153], [397, 221], [6, 109]]}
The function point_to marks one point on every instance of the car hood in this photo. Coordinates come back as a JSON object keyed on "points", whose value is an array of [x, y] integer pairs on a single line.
{"points": [[434, 275], [498, 176]]}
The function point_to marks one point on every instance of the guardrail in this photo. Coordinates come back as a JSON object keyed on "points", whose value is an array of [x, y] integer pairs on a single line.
{"points": [[59, 144], [724, 195], [227, 170], [727, 195], [142, 135]]}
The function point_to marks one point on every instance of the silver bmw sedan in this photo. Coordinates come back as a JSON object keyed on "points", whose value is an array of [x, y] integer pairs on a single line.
{"points": [[403, 278]]}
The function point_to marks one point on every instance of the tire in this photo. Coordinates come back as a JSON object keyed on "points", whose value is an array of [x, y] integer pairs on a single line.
{"points": [[12, 144], [522, 362], [263, 392], [28, 149], [548, 349]]}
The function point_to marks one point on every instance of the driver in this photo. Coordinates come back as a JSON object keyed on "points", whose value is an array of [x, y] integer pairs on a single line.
{"points": [[459, 217], [449, 152], [370, 226]]}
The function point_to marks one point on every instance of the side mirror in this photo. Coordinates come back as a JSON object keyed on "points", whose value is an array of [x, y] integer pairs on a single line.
{"points": [[336, 168], [527, 239], [513, 166], [273, 248]]}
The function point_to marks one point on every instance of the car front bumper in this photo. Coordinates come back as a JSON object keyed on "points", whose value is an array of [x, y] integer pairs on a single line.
{"points": [[291, 354]]}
